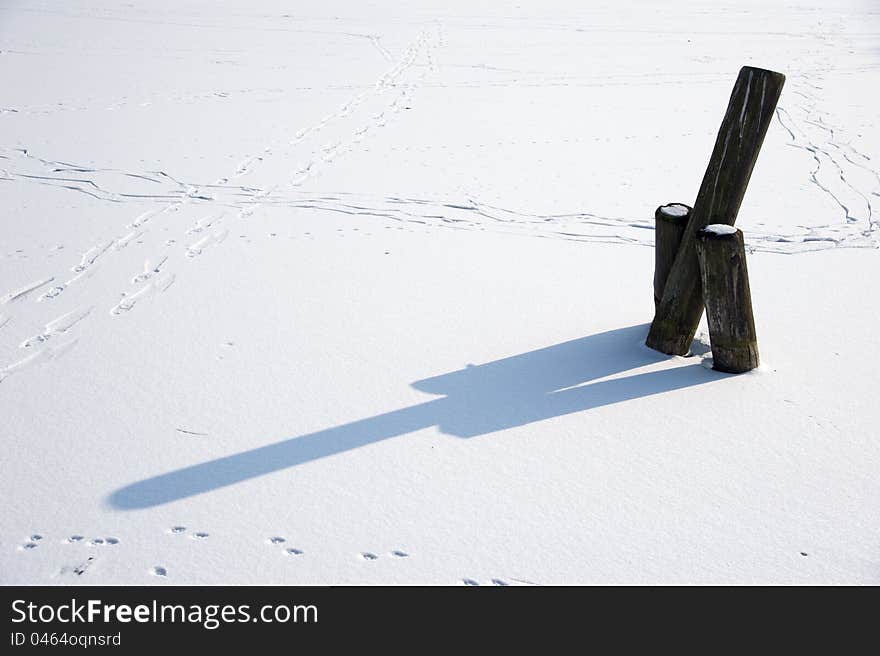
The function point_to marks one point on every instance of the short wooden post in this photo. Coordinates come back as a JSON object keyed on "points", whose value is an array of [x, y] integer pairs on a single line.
{"points": [[725, 281], [669, 224], [750, 111]]}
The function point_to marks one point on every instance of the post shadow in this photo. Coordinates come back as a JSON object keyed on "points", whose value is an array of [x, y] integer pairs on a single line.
{"points": [[477, 400]]}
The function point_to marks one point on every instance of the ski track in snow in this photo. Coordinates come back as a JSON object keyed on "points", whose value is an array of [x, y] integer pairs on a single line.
{"points": [[239, 193], [835, 164], [806, 125], [165, 223], [391, 89], [22, 292]]}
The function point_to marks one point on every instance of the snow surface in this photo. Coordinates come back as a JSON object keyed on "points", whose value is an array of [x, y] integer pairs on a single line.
{"points": [[338, 292], [719, 229]]}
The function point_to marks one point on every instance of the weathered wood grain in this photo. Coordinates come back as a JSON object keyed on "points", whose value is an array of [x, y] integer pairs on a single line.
{"points": [[725, 282], [669, 225], [749, 113]]}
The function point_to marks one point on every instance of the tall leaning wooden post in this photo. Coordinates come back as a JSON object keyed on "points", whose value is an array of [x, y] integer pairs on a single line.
{"points": [[725, 281], [669, 224], [749, 114]]}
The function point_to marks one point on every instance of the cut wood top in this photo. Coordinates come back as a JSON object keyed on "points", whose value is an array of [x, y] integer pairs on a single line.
{"points": [[718, 230], [674, 212]]}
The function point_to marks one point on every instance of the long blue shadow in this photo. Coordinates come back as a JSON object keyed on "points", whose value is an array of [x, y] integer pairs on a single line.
{"points": [[478, 400]]}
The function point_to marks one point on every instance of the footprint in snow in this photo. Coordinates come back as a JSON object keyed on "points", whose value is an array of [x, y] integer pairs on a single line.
{"points": [[80, 569], [366, 555], [195, 535], [158, 570], [399, 554], [469, 582], [225, 345], [276, 540], [293, 552], [52, 293]]}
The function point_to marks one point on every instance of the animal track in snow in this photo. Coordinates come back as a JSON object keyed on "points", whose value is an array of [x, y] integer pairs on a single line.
{"points": [[158, 570], [225, 345], [91, 256], [248, 210], [32, 542], [80, 569], [399, 554], [195, 535], [246, 164], [367, 555], [84, 269], [123, 242], [496, 582], [150, 270], [202, 224], [302, 174], [289, 551], [196, 249], [157, 286], [58, 326], [194, 193], [52, 292], [144, 218], [74, 539]]}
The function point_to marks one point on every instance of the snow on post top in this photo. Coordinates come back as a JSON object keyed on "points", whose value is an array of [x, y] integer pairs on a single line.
{"points": [[719, 229], [675, 209]]}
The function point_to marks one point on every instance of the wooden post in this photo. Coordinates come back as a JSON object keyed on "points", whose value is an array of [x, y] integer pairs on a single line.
{"points": [[669, 224], [749, 113], [725, 281]]}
